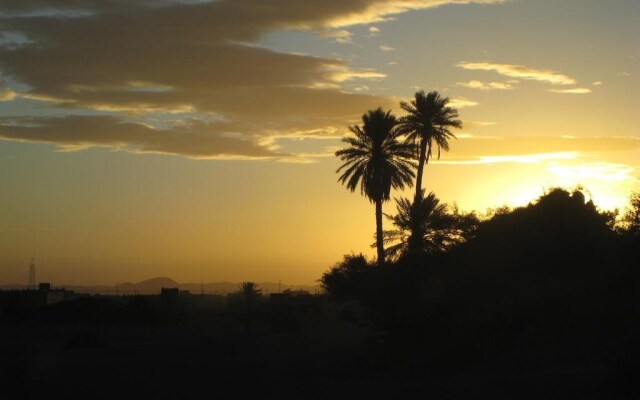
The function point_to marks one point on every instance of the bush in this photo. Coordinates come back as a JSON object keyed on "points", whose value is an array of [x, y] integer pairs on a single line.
{"points": [[346, 279]]}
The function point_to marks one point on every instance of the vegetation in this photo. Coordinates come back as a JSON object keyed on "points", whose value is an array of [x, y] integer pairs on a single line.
{"points": [[630, 222], [249, 292], [427, 124], [550, 284], [544, 285], [441, 228], [344, 279], [376, 161]]}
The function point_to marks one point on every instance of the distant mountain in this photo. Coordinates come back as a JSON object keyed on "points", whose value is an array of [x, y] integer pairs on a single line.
{"points": [[150, 286], [154, 285], [229, 287]]}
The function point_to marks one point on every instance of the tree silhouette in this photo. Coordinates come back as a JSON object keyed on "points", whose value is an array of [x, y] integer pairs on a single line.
{"points": [[376, 161], [631, 218], [249, 291], [440, 227], [427, 124], [345, 278]]}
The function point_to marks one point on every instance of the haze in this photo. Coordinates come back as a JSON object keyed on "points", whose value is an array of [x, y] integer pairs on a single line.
{"points": [[196, 139]]}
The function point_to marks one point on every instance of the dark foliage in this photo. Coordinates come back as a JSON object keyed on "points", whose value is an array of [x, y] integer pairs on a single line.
{"points": [[441, 226], [539, 288], [630, 222], [347, 278]]}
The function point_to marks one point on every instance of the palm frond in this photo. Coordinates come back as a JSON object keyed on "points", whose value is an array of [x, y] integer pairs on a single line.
{"points": [[375, 159]]}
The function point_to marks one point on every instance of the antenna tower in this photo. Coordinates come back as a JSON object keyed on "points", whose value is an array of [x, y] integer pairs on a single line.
{"points": [[32, 274]]}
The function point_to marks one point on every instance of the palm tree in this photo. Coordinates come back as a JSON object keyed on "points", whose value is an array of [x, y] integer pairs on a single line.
{"points": [[249, 291], [427, 124], [440, 227], [376, 161]]}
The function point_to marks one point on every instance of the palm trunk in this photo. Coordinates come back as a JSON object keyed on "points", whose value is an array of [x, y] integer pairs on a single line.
{"points": [[423, 158], [247, 326], [379, 240], [415, 239]]}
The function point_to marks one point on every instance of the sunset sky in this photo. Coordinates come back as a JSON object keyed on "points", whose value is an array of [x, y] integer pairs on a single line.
{"points": [[194, 139]]}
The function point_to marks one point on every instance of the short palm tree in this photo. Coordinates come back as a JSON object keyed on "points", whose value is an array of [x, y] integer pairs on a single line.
{"points": [[376, 161], [428, 213], [427, 124], [249, 291], [441, 227]]}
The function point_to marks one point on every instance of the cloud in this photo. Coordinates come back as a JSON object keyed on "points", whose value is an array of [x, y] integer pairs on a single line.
{"points": [[572, 91], [478, 124], [518, 159], [602, 171], [462, 103], [345, 74], [477, 149], [184, 59], [374, 30], [7, 94], [340, 35], [381, 10], [486, 85], [384, 47], [194, 139], [520, 71], [597, 83]]}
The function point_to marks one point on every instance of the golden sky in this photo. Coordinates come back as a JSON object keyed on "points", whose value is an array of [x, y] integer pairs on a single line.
{"points": [[194, 139]]}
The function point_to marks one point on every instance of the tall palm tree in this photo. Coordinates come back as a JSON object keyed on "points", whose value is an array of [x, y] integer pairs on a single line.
{"points": [[441, 227], [427, 124], [376, 161]]}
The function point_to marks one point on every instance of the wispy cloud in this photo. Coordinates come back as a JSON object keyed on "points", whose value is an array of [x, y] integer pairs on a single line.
{"points": [[520, 72], [482, 149], [572, 91], [478, 124], [486, 85], [7, 94], [462, 103], [339, 35], [518, 159], [343, 75], [370, 11], [194, 140], [385, 47], [602, 171], [466, 135]]}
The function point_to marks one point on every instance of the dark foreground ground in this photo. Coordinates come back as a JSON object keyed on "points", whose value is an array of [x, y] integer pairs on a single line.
{"points": [[208, 353]]}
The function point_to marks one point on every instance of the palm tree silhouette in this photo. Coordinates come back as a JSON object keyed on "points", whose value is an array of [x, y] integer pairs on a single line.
{"points": [[249, 291], [440, 227], [377, 161], [427, 124], [426, 212]]}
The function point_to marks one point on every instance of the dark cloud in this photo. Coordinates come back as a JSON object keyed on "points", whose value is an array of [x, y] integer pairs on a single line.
{"points": [[136, 57], [193, 139]]}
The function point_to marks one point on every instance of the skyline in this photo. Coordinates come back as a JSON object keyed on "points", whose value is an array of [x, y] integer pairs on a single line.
{"points": [[195, 139]]}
